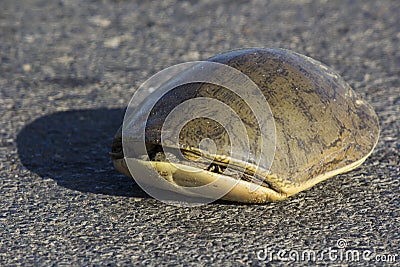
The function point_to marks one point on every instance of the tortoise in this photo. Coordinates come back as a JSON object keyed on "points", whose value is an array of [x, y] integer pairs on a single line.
{"points": [[322, 128]]}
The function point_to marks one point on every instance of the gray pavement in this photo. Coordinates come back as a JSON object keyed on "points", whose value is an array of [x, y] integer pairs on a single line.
{"points": [[69, 68]]}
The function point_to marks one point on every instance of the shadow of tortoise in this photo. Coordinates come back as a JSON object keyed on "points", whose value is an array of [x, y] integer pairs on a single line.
{"points": [[72, 147]]}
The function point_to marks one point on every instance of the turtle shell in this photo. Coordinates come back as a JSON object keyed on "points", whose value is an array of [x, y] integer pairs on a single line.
{"points": [[322, 128]]}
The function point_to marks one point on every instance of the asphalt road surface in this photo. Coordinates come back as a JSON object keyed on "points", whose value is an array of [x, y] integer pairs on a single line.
{"points": [[68, 70]]}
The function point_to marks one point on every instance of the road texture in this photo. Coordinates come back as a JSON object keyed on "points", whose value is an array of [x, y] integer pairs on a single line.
{"points": [[69, 68]]}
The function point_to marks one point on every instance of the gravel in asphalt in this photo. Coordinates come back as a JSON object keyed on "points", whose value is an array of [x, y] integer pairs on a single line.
{"points": [[69, 68]]}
